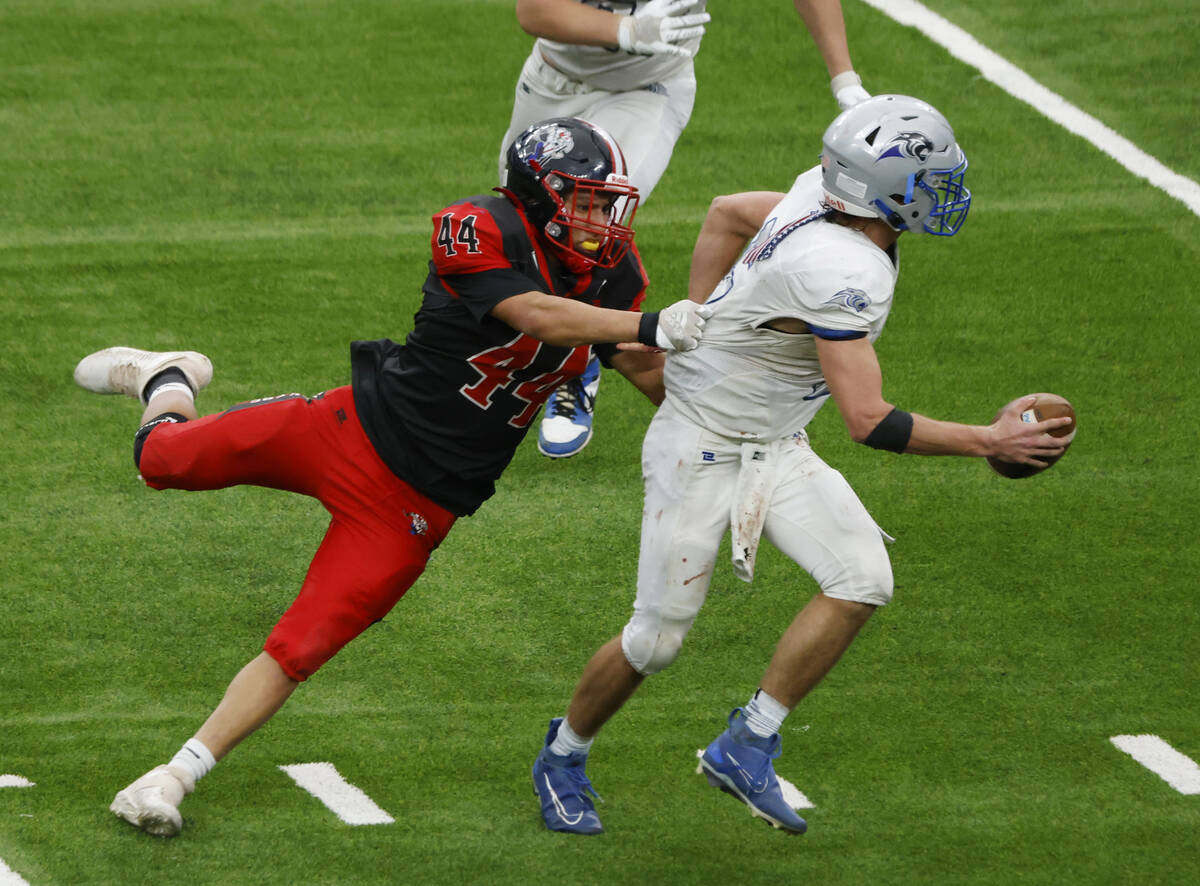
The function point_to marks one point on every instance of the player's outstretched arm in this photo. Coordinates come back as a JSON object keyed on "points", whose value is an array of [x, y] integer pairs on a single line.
{"points": [[855, 381], [567, 323], [827, 26], [728, 225]]}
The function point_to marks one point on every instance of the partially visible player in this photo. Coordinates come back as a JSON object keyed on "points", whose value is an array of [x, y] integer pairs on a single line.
{"points": [[523, 288], [800, 284], [627, 67]]}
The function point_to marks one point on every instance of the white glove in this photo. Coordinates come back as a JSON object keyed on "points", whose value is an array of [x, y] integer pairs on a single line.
{"points": [[655, 28], [848, 89], [680, 325]]}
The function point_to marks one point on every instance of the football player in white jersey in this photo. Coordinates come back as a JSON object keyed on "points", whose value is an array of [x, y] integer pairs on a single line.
{"points": [[800, 285], [626, 67]]}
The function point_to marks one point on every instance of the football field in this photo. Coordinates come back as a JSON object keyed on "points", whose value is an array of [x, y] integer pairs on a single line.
{"points": [[254, 180]]}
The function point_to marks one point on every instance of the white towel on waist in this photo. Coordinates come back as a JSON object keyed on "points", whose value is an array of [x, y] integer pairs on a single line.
{"points": [[751, 499]]}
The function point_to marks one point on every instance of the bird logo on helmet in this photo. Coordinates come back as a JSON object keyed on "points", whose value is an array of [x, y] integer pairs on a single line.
{"points": [[909, 144], [569, 177]]}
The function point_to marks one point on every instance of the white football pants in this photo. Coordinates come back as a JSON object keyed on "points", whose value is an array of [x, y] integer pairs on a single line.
{"points": [[809, 512], [645, 122]]}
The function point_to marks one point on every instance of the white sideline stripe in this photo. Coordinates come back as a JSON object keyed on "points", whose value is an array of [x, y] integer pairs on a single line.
{"points": [[343, 799], [792, 795], [9, 877], [1178, 770], [15, 781], [1017, 83]]}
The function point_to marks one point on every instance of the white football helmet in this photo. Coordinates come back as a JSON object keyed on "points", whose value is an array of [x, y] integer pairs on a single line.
{"points": [[894, 157]]}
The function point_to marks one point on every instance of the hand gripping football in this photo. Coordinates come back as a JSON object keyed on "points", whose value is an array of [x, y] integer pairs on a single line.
{"points": [[1046, 406]]}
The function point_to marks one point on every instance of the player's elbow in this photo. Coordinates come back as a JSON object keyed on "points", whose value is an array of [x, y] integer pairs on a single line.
{"points": [[532, 16], [859, 431], [862, 422], [724, 214]]}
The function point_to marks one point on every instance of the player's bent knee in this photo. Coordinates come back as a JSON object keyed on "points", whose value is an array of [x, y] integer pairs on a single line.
{"points": [[870, 583], [650, 646]]}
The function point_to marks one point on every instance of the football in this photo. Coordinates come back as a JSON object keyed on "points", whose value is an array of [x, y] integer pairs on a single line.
{"points": [[1046, 406]]}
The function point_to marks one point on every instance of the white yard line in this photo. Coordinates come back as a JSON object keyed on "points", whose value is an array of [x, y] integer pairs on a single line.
{"points": [[9, 877], [1176, 769], [1017, 83], [15, 781], [343, 799]]}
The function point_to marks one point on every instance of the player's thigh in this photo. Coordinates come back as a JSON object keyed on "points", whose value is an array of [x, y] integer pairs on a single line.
{"points": [[688, 496], [646, 123], [817, 520], [542, 93], [361, 570]]}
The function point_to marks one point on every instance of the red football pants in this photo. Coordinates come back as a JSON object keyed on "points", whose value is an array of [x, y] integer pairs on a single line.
{"points": [[378, 541]]}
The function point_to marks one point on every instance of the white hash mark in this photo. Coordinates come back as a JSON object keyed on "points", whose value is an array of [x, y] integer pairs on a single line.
{"points": [[1176, 769], [343, 799]]}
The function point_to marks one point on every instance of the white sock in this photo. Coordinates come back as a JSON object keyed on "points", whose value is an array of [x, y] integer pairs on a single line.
{"points": [[568, 741], [195, 758], [764, 715], [171, 387]]}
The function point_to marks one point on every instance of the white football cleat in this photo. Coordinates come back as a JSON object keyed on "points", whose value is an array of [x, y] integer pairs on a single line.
{"points": [[152, 802], [126, 370]]}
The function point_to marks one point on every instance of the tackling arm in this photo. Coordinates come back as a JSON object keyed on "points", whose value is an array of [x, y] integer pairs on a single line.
{"points": [[566, 323], [855, 380], [728, 226]]}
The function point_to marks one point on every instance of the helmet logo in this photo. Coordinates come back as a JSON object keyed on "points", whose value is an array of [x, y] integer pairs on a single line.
{"points": [[550, 142], [909, 144], [854, 299]]}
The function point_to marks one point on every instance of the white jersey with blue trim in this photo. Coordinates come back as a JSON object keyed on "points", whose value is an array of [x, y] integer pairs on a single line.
{"points": [[749, 382], [613, 69]]}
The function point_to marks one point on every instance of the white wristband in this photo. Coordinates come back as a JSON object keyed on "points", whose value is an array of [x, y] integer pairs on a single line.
{"points": [[844, 79]]}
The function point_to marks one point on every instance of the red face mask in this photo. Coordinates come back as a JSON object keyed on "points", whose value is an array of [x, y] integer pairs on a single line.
{"points": [[592, 224]]}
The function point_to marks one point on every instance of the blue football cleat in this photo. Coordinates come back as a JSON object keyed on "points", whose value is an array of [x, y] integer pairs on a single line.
{"points": [[739, 763], [567, 422], [563, 787]]}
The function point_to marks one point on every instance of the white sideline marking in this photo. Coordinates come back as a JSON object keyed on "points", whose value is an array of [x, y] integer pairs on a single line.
{"points": [[15, 781], [1017, 83], [343, 799], [1178, 770], [9, 877], [792, 795]]}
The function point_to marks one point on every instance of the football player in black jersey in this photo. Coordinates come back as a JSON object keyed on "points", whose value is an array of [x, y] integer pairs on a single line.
{"points": [[524, 287]]}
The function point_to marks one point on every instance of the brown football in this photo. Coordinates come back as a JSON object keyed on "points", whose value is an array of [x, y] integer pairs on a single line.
{"points": [[1044, 407]]}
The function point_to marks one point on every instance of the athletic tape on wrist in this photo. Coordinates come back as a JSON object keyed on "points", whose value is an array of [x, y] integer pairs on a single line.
{"points": [[846, 78]]}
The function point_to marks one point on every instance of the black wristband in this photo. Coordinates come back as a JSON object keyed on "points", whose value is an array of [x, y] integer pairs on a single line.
{"points": [[648, 329], [893, 433]]}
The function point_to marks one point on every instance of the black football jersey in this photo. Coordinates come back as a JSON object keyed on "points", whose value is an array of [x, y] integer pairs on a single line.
{"points": [[447, 409]]}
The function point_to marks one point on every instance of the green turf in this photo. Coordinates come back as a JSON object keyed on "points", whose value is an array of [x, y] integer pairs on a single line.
{"points": [[254, 180]]}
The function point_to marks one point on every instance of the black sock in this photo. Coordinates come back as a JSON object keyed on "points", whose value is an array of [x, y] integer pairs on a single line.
{"points": [[170, 374]]}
